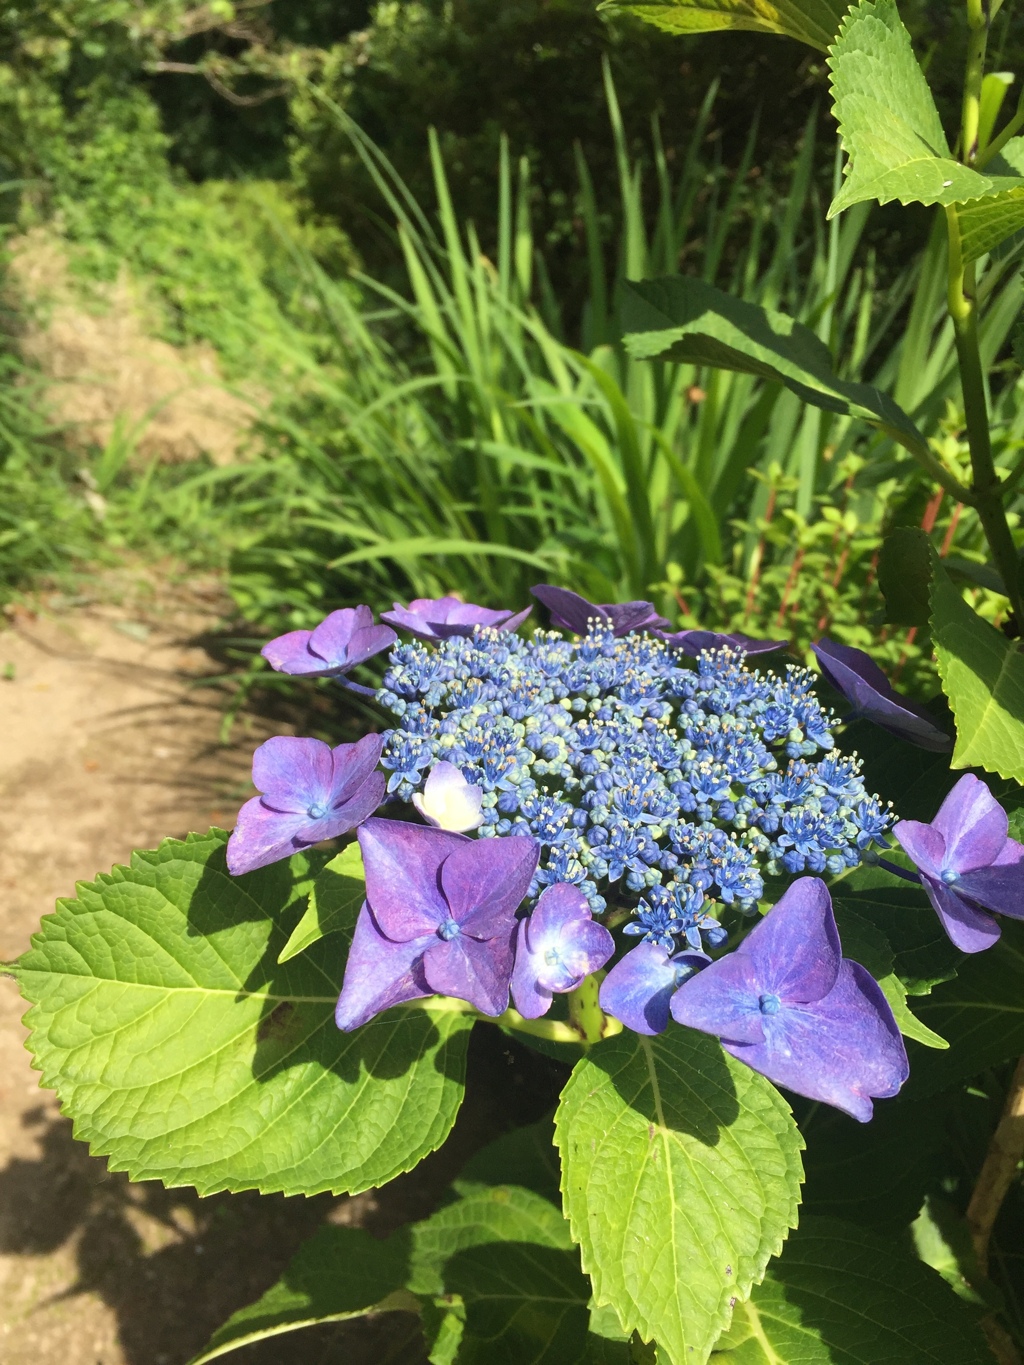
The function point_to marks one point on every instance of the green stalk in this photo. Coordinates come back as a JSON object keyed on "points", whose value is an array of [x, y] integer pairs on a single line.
{"points": [[585, 1012], [962, 304]]}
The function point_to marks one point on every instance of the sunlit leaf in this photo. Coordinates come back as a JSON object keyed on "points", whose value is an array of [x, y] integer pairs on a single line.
{"points": [[809, 21], [334, 901]]}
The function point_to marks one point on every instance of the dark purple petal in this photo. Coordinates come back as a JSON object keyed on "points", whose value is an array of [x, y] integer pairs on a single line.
{"points": [[844, 1049], [290, 653], [353, 764], [379, 973], [639, 987], [724, 1000], [863, 683], [294, 774], [470, 970], [485, 880], [514, 622], [361, 803], [923, 844], [971, 930], [568, 609], [1000, 886], [694, 642], [796, 946], [263, 836], [973, 825], [403, 865], [627, 616]]}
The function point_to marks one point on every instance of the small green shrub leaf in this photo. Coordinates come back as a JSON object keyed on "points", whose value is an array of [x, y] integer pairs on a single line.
{"points": [[809, 21], [339, 1273], [185, 1053], [982, 674], [681, 1175], [334, 903], [684, 319], [981, 1013], [893, 135], [839, 1295]]}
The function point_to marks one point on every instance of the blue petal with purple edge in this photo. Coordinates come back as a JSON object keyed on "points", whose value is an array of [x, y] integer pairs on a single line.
{"points": [[639, 987], [471, 970], [860, 680], [795, 948], [694, 642], [573, 612], [342, 640], [440, 618], [556, 947], [293, 774], [379, 973], [973, 825], [969, 929], [403, 866], [484, 883]]}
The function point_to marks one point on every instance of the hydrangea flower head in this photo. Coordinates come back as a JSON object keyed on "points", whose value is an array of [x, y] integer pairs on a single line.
{"points": [[557, 945], [968, 864], [789, 1005], [439, 618], [439, 918], [342, 640], [573, 612], [860, 680], [309, 792]]}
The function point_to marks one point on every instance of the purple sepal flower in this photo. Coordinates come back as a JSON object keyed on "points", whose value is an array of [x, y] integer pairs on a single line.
{"points": [[439, 919], [310, 792], [439, 618], [342, 640], [789, 1005], [873, 697], [968, 864], [556, 947], [572, 612], [695, 642], [638, 989]]}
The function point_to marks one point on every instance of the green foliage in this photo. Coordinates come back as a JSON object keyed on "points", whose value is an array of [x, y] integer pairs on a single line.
{"points": [[334, 900], [982, 674], [680, 1176], [185, 1053], [840, 1294], [809, 21]]}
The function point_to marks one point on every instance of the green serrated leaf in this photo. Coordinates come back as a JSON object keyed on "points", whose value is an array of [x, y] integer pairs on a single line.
{"points": [[684, 319], [681, 1175], [982, 674], [185, 1053], [499, 1213], [809, 21], [981, 1013], [905, 575], [339, 1274], [893, 135], [334, 903], [841, 1294], [526, 1156]]}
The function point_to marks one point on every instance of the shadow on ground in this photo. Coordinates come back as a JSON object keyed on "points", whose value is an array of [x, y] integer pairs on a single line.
{"points": [[172, 1267]]}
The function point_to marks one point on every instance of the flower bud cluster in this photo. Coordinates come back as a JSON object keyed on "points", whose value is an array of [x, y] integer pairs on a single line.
{"points": [[662, 786]]}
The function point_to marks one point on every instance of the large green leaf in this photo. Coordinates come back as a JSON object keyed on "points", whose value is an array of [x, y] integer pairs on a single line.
{"points": [[684, 319], [982, 674], [893, 135], [681, 1174], [981, 1013], [339, 1273], [184, 1052], [334, 901], [809, 21], [841, 1296]]}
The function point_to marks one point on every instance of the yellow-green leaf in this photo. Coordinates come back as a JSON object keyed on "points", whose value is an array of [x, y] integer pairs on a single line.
{"points": [[808, 21]]}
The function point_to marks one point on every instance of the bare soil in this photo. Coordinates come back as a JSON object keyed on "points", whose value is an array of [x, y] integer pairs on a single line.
{"points": [[109, 744]]}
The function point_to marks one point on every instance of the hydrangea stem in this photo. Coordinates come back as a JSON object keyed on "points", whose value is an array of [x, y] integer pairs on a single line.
{"points": [[585, 1012]]}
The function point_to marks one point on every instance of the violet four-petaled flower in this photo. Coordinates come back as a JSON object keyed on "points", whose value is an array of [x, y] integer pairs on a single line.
{"points": [[556, 947], [695, 642], [342, 640], [309, 792], [573, 612], [789, 1005], [968, 864], [439, 918], [439, 618], [638, 989], [865, 686]]}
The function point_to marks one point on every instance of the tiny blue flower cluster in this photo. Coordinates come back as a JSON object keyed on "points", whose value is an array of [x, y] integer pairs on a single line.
{"points": [[667, 786]]}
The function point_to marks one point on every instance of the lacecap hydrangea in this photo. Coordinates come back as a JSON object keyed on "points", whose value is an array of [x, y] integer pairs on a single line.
{"points": [[560, 802]]}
